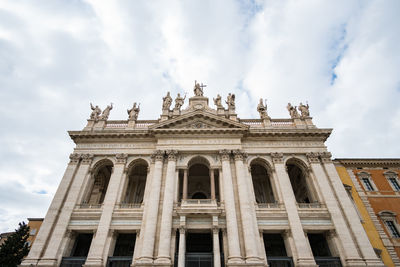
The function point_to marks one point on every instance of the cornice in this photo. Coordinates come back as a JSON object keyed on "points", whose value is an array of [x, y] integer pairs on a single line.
{"points": [[371, 162]]}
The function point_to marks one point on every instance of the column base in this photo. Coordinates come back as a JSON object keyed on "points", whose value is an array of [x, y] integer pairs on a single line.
{"points": [[306, 263], [29, 262], [356, 263], [144, 261], [235, 261], [374, 262], [93, 263], [163, 261], [47, 263], [255, 261]]}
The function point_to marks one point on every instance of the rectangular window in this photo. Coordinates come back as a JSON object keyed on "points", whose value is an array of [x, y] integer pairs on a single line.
{"points": [[367, 184], [395, 184], [33, 231], [393, 229]]}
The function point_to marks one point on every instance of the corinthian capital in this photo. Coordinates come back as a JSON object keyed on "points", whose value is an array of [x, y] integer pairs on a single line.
{"points": [[87, 158], [224, 154], [121, 158], [239, 154], [158, 155], [277, 157], [172, 154], [312, 157], [326, 157], [74, 158]]}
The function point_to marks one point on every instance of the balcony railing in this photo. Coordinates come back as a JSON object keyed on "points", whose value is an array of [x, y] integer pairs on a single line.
{"points": [[72, 261], [280, 261], [129, 205], [88, 206], [119, 261], [198, 202], [275, 205], [314, 205], [328, 261]]}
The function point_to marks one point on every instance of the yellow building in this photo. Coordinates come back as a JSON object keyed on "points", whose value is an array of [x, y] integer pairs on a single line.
{"points": [[34, 225], [348, 170]]}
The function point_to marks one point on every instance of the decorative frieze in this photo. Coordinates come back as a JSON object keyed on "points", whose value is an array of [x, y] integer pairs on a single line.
{"points": [[277, 157]]}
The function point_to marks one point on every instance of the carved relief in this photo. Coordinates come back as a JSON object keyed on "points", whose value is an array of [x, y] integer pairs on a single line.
{"points": [[157, 155], [239, 155], [172, 155], [326, 157], [224, 154]]}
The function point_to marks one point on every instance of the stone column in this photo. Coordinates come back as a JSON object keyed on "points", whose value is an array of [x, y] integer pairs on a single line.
{"points": [[52, 251], [305, 256], [212, 182], [164, 256], [185, 184], [149, 223], [217, 256], [51, 216], [230, 210], [364, 245], [247, 212], [95, 256], [182, 247]]}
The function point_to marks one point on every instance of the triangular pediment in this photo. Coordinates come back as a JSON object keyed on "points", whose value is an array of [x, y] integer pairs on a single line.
{"points": [[199, 120]]}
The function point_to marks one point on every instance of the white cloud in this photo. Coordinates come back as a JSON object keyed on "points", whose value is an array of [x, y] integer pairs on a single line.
{"points": [[57, 56]]}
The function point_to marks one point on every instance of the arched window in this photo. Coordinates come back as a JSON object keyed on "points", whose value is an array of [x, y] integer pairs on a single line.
{"points": [[199, 186], [262, 184], [136, 183], [100, 180], [300, 182]]}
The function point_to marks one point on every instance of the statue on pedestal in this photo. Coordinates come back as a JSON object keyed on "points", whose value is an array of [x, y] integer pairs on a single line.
{"points": [[292, 111], [179, 101], [198, 89], [230, 100], [262, 109], [96, 111], [134, 112], [106, 112], [217, 102], [304, 109], [167, 101]]}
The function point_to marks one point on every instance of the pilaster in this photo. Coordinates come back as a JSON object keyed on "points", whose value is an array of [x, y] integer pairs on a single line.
{"points": [[97, 248]]}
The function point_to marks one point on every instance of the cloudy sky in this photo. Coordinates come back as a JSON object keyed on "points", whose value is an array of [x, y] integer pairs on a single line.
{"points": [[57, 56]]}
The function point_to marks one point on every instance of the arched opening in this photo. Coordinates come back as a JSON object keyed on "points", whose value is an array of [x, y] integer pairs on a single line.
{"points": [[199, 186], [262, 184], [135, 188], [300, 182], [100, 181]]}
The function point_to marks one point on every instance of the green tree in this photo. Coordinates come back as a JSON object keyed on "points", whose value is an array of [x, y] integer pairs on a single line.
{"points": [[15, 248]]}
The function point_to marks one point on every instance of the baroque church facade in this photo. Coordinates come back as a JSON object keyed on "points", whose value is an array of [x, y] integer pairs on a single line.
{"points": [[201, 187]]}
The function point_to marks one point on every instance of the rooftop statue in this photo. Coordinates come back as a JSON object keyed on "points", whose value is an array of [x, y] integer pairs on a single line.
{"points": [[134, 112], [217, 102], [230, 100], [167, 101], [179, 101], [96, 112], [292, 111], [262, 109], [106, 112], [304, 109], [198, 89]]}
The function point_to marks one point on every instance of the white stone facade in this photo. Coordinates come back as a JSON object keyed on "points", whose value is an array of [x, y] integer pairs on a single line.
{"points": [[170, 199]]}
